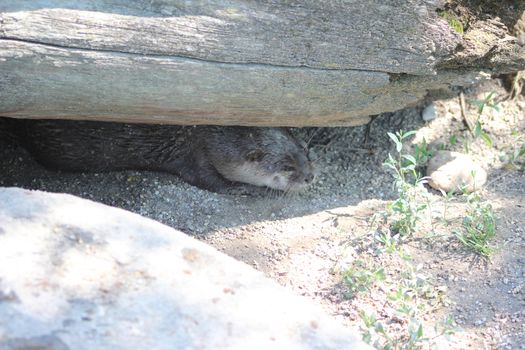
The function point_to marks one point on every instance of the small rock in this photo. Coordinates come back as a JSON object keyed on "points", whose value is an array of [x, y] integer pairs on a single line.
{"points": [[429, 113], [453, 171], [479, 322]]}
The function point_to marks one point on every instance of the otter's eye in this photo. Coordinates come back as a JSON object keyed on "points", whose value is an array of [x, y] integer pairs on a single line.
{"points": [[255, 155]]}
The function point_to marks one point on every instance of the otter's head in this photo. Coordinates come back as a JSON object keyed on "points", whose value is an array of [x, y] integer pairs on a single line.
{"points": [[269, 157]]}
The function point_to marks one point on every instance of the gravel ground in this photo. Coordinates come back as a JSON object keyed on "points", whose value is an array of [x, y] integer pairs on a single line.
{"points": [[305, 241]]}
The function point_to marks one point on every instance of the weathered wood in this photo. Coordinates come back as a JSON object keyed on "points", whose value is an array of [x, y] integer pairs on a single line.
{"points": [[312, 33], [230, 62]]}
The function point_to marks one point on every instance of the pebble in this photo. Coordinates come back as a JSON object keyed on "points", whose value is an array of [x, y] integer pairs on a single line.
{"points": [[480, 322], [429, 113], [452, 171]]}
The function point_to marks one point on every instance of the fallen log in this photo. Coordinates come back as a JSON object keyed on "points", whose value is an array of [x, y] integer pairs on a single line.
{"points": [[262, 63]]}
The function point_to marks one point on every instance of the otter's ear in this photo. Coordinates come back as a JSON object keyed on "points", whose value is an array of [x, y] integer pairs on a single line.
{"points": [[255, 155]]}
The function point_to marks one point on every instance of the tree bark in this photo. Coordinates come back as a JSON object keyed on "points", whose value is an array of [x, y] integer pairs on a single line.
{"points": [[237, 62]]}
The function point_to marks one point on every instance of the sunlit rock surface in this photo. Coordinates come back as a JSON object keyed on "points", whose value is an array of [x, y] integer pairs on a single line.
{"points": [[454, 171], [75, 274]]}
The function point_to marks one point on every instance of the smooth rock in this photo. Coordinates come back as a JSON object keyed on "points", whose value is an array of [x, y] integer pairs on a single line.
{"points": [[429, 113], [81, 275], [454, 171]]}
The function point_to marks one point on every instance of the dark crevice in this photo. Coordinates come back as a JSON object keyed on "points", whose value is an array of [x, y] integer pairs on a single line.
{"points": [[155, 55]]}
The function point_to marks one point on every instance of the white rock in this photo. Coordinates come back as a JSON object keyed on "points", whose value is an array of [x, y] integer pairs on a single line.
{"points": [[429, 113], [453, 171], [82, 275]]}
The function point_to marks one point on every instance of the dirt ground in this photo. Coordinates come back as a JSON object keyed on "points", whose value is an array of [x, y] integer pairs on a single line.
{"points": [[307, 241]]}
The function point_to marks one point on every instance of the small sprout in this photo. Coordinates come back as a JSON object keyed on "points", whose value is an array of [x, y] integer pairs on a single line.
{"points": [[407, 180], [478, 131], [479, 227], [453, 21], [422, 153], [360, 278]]}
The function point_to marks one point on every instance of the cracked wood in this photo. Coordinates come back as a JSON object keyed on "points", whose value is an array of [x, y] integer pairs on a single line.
{"points": [[262, 63]]}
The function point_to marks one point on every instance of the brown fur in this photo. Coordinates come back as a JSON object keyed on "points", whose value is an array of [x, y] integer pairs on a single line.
{"points": [[211, 157]]}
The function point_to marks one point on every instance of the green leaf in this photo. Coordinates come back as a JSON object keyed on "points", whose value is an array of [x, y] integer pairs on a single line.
{"points": [[410, 158], [489, 97], [392, 136], [456, 25], [486, 138], [398, 143], [496, 107], [367, 337], [389, 165], [404, 310], [421, 207], [477, 129], [380, 274], [476, 103], [408, 134], [420, 331]]}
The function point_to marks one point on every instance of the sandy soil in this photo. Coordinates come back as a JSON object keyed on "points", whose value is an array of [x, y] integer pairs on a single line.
{"points": [[307, 241]]}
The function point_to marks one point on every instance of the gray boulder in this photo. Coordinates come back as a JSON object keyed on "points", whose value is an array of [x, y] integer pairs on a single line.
{"points": [[75, 274]]}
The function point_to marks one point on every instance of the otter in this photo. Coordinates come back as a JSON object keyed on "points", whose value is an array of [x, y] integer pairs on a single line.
{"points": [[215, 158]]}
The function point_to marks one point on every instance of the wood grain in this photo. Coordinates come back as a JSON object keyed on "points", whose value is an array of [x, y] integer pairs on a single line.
{"points": [[295, 63]]}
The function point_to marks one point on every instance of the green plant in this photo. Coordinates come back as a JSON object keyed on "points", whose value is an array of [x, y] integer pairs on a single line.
{"points": [[447, 327], [415, 292], [453, 20], [466, 147], [488, 101], [453, 139], [517, 158], [422, 153], [389, 243], [374, 332], [479, 227], [406, 179], [360, 278], [517, 155], [448, 198], [409, 296]]}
